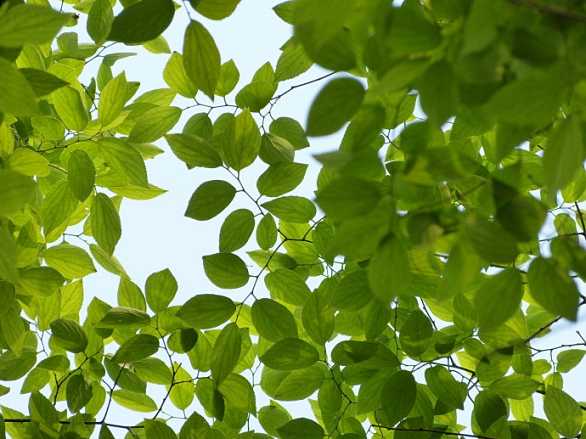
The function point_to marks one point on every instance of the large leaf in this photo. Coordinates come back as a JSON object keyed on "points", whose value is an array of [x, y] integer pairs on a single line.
{"points": [[16, 94], [292, 209], [29, 24], [226, 352], [112, 99], [281, 178], [398, 396], [273, 320], [176, 77], [125, 159], [69, 335], [243, 149], [215, 9], [194, 150], [136, 348], [301, 428], [563, 411], [99, 21], [71, 261], [160, 288], [142, 21], [236, 230], [81, 174], [16, 190], [499, 298]]}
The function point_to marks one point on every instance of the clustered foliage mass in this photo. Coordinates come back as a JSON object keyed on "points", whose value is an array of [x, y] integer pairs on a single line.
{"points": [[402, 301]]}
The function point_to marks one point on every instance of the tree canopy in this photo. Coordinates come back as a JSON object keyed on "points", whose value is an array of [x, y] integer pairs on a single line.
{"points": [[402, 299]]}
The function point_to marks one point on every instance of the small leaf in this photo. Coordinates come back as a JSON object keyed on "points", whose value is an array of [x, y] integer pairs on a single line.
{"points": [[81, 174], [201, 58], [226, 352], [290, 354], [136, 348], [142, 21], [209, 199], [281, 178], [160, 288], [272, 320], [69, 335], [287, 286], [236, 230], [105, 223], [206, 311], [301, 428], [291, 209], [194, 150], [335, 105], [176, 77], [226, 270]]}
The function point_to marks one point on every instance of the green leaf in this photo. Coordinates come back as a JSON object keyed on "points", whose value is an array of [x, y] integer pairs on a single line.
{"points": [[138, 402], [16, 191], [71, 261], [291, 209], [449, 391], [515, 387], [41, 281], [301, 428], [226, 270], [290, 130], [209, 199], [206, 311], [394, 407], [201, 58], [136, 348], [292, 385], [142, 21], [69, 106], [194, 150], [552, 288], [81, 174], [281, 178], [438, 90], [160, 288], [289, 354], [266, 232], [318, 319], [8, 251], [99, 20], [257, 95], [42, 411], [243, 150], [272, 320], [69, 335], [113, 97], [236, 230], [154, 429], [43, 83], [498, 298], [29, 24], [226, 352], [415, 334], [335, 105], [272, 417], [491, 241], [215, 9], [153, 370], [389, 272], [229, 77], [562, 411], [567, 360], [238, 393], [78, 392], [292, 62], [16, 94], [287, 286], [563, 155], [353, 292], [122, 316], [176, 77], [130, 295], [154, 124], [27, 162], [105, 223], [348, 197], [488, 408]]}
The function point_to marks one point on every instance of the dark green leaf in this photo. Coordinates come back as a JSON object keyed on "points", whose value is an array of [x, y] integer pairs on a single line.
{"points": [[281, 178], [273, 320], [105, 223], [69, 335], [136, 348], [226, 270], [206, 311], [236, 230], [209, 199], [142, 21], [290, 354]]}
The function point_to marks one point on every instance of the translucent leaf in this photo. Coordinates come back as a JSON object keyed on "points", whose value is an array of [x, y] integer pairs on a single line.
{"points": [[99, 21], [138, 402], [69, 106], [281, 178], [229, 76], [155, 429], [136, 348], [291, 209], [206, 311], [290, 354], [272, 320], [112, 99], [16, 94], [215, 9], [245, 146], [29, 24], [266, 232], [43, 83], [176, 77], [142, 21], [236, 230], [81, 174], [445, 387], [160, 288], [71, 261], [194, 150], [567, 360], [562, 411], [121, 316], [105, 223], [201, 58], [69, 335], [78, 392], [394, 407], [226, 270], [498, 298], [348, 197], [226, 352], [154, 124], [301, 428]]}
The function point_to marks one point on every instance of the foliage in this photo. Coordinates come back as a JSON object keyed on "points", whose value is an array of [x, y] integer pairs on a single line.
{"points": [[408, 291]]}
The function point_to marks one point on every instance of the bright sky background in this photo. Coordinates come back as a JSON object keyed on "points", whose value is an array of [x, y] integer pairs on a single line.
{"points": [[156, 235]]}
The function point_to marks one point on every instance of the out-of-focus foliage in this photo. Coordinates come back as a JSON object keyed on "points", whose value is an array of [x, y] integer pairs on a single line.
{"points": [[401, 301]]}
